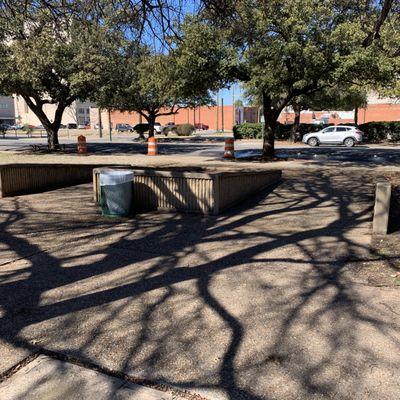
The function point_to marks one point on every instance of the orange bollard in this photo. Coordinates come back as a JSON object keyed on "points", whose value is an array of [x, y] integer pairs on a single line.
{"points": [[82, 148], [152, 147], [229, 148]]}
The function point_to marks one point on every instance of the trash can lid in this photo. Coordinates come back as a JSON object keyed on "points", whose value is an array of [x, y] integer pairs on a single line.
{"points": [[115, 177]]}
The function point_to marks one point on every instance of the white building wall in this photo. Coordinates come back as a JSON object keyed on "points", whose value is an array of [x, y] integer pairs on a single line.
{"points": [[77, 113], [7, 110]]}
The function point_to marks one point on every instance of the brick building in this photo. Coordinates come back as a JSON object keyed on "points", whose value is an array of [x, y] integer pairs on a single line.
{"points": [[378, 109], [217, 118]]}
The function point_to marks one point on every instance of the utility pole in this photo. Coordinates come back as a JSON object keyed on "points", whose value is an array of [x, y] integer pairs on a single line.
{"points": [[194, 116], [217, 110], [222, 116], [233, 105], [100, 124], [109, 124]]}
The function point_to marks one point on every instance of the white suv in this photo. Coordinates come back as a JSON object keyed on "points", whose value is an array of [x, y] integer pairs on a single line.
{"points": [[158, 127], [347, 135]]}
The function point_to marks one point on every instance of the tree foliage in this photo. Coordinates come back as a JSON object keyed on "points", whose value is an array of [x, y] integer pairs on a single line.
{"points": [[152, 84], [55, 52], [48, 62], [286, 49]]}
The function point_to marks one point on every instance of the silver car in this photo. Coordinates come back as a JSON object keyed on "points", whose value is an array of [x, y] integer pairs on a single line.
{"points": [[346, 135]]}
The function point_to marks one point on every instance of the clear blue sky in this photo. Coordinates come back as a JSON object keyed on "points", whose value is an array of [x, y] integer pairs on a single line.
{"points": [[227, 95]]}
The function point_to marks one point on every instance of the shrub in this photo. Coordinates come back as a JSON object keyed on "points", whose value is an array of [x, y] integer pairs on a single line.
{"points": [[184, 129], [28, 129], [169, 129], [375, 131], [381, 131], [247, 131], [282, 132], [141, 128]]}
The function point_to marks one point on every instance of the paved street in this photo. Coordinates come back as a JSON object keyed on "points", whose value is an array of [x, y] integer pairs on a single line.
{"points": [[212, 147], [263, 302]]}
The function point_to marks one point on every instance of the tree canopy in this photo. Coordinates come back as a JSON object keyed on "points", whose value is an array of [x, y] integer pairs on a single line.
{"points": [[55, 52], [59, 51], [151, 84], [47, 62], [285, 49]]}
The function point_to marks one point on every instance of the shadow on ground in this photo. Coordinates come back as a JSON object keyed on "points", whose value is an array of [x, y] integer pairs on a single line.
{"points": [[258, 303], [118, 148]]}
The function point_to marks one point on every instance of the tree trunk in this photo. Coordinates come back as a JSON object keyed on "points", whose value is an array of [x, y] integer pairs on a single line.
{"points": [[151, 119], [356, 115], [52, 128], [269, 126], [100, 122], [52, 138], [296, 125]]}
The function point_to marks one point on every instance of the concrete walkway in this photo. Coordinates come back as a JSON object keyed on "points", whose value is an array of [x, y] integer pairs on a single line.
{"points": [[263, 302], [48, 379]]}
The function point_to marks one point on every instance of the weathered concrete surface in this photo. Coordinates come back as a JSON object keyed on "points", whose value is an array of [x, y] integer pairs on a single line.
{"points": [[382, 206], [48, 379], [258, 303]]}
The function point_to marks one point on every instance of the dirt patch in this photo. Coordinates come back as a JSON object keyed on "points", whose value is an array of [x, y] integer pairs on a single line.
{"points": [[384, 267]]}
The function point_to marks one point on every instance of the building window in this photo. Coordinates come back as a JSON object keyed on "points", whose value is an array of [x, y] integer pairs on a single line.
{"points": [[81, 111], [3, 106]]}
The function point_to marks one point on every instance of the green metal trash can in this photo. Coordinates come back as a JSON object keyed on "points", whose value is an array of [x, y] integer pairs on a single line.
{"points": [[116, 193]]}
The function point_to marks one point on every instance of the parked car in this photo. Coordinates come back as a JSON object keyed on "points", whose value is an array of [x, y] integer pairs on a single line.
{"points": [[72, 126], [16, 127], [346, 135], [4, 127], [201, 126], [158, 128], [124, 128]]}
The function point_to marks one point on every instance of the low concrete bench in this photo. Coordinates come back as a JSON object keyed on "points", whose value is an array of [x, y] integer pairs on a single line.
{"points": [[208, 192]]}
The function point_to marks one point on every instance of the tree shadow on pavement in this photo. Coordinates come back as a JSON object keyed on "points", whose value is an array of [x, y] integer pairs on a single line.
{"points": [[258, 303]]}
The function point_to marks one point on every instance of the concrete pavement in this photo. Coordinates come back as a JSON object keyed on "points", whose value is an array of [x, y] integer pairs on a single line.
{"points": [[46, 378], [263, 302]]}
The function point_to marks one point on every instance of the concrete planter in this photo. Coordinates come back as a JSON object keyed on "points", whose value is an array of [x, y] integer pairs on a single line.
{"points": [[30, 178], [196, 192]]}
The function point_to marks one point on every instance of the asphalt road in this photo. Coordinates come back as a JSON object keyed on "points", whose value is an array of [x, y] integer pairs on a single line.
{"points": [[213, 147]]}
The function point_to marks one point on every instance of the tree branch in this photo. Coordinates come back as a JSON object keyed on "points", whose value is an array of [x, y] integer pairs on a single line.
{"points": [[383, 15]]}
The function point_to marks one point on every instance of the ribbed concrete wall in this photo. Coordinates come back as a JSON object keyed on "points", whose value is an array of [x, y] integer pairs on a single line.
{"points": [[207, 193], [188, 194], [30, 178], [235, 187]]}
